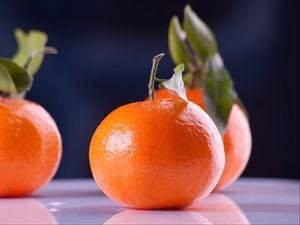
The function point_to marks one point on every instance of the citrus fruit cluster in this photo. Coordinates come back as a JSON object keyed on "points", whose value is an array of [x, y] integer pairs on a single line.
{"points": [[188, 138]]}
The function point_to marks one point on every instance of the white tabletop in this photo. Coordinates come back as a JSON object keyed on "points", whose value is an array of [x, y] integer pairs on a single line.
{"points": [[248, 201]]}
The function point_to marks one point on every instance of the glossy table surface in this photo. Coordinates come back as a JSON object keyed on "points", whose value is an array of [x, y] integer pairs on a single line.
{"points": [[248, 201]]}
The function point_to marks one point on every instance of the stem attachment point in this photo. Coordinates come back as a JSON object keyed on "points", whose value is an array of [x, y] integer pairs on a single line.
{"points": [[156, 60], [44, 50]]}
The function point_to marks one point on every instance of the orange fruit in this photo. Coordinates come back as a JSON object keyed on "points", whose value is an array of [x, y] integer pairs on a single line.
{"points": [[236, 137], [192, 95], [30, 147], [144, 155]]}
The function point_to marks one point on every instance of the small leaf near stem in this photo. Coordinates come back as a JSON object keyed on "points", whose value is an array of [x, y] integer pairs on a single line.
{"points": [[175, 83], [6, 82], [177, 50], [44, 50], [17, 78], [156, 61]]}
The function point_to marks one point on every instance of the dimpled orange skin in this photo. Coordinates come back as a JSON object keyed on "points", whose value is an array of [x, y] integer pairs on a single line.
{"points": [[144, 155], [237, 137], [30, 147]]}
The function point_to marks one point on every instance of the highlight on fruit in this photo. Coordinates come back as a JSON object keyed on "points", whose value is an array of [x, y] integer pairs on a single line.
{"points": [[157, 153], [30, 142], [208, 84]]}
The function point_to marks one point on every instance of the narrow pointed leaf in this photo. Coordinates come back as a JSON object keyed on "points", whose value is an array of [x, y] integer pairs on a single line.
{"points": [[199, 34], [219, 93], [7, 84], [177, 50], [175, 83], [19, 76], [28, 43]]}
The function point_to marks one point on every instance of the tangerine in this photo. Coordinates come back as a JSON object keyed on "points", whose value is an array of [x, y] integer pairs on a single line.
{"points": [[145, 154], [30, 147]]}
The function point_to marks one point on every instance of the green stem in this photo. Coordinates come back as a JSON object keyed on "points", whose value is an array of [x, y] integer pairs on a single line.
{"points": [[156, 60], [44, 50]]}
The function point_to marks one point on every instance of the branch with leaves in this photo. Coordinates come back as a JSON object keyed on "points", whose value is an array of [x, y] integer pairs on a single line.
{"points": [[194, 44], [17, 73]]}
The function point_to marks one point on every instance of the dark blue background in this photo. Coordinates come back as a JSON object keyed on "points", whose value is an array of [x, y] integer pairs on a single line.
{"points": [[105, 51]]}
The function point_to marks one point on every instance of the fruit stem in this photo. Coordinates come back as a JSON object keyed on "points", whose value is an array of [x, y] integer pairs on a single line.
{"points": [[195, 64], [155, 63], [44, 50]]}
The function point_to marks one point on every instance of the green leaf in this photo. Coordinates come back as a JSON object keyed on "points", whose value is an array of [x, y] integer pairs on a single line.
{"points": [[198, 33], [175, 83], [176, 48], [19, 80], [6, 82], [179, 69], [219, 94], [27, 44]]}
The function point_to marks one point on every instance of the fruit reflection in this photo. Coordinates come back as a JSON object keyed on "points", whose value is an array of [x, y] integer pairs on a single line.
{"points": [[219, 209], [132, 216], [24, 211], [216, 209]]}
